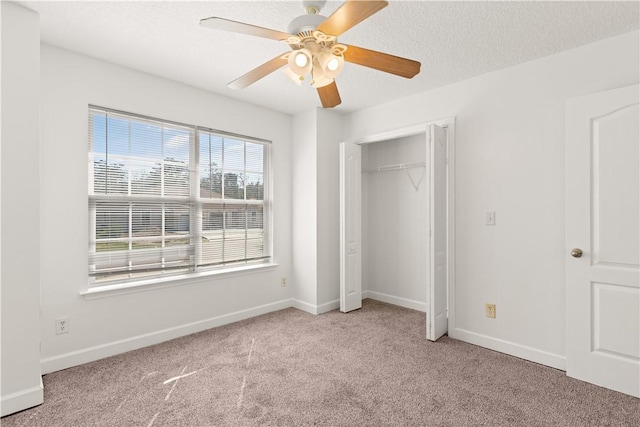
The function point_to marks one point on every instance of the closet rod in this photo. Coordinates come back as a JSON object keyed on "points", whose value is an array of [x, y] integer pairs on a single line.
{"points": [[399, 166]]}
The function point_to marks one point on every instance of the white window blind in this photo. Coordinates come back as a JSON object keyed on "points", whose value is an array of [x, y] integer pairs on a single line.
{"points": [[232, 173], [171, 198]]}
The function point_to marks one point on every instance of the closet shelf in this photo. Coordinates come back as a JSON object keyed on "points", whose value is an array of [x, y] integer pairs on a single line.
{"points": [[405, 167], [399, 166]]}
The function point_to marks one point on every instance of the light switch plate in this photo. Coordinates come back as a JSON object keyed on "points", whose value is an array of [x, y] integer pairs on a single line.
{"points": [[490, 218]]}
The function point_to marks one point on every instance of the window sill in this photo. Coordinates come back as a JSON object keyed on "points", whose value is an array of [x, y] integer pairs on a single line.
{"points": [[166, 282]]}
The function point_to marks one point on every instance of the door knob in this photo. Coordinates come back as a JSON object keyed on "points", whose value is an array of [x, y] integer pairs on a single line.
{"points": [[576, 252]]}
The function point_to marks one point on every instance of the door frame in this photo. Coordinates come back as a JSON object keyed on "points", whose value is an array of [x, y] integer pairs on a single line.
{"points": [[423, 128]]}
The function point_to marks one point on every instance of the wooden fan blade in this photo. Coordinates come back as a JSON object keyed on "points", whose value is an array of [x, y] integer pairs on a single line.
{"points": [[258, 73], [240, 27], [329, 95], [382, 61], [349, 14]]}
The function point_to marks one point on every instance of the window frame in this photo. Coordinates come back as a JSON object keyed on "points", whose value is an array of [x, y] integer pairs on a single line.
{"points": [[197, 267]]}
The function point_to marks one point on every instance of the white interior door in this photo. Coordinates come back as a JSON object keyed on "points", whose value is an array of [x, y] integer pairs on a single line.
{"points": [[603, 239], [350, 227], [437, 288]]}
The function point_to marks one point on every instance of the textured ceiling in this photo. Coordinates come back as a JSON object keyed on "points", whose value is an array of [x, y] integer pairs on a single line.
{"points": [[453, 41]]}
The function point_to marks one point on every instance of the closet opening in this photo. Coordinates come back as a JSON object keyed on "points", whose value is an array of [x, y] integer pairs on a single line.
{"points": [[396, 215], [395, 222]]}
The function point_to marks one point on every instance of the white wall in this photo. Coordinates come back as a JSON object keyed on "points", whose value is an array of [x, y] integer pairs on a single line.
{"points": [[108, 325], [510, 159], [20, 209], [304, 215], [395, 222], [328, 226], [316, 134]]}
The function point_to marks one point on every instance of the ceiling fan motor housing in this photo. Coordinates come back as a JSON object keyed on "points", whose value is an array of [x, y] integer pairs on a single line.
{"points": [[311, 20], [305, 23]]}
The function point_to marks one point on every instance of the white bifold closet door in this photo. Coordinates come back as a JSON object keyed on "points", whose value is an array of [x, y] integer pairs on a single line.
{"points": [[437, 321], [350, 227], [435, 221]]}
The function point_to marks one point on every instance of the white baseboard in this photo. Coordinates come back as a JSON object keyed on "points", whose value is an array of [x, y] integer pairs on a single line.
{"points": [[32, 397], [75, 358], [315, 309], [304, 306], [528, 353], [328, 306], [390, 299], [21, 400]]}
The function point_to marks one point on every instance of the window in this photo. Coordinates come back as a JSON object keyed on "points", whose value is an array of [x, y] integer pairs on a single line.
{"points": [[167, 198]]}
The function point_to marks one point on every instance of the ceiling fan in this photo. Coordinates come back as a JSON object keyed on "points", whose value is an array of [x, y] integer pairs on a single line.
{"points": [[316, 54]]}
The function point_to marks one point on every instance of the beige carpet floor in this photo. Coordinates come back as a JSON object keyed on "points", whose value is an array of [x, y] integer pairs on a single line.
{"points": [[372, 367]]}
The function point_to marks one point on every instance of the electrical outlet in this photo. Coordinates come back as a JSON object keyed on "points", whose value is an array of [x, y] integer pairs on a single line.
{"points": [[490, 310], [62, 325], [283, 282]]}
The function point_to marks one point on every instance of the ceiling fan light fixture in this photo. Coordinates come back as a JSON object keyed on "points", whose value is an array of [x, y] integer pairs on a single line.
{"points": [[301, 62], [319, 78], [293, 76], [330, 63]]}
